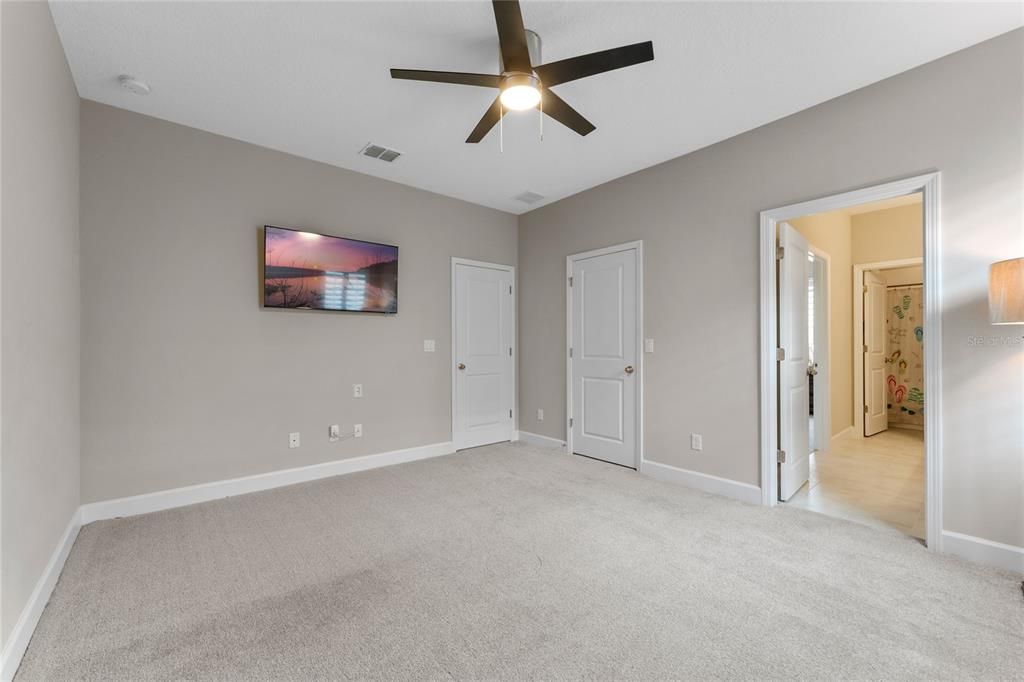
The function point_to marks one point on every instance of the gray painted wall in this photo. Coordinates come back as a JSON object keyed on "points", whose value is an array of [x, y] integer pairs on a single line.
{"points": [[187, 379], [39, 327], [698, 217]]}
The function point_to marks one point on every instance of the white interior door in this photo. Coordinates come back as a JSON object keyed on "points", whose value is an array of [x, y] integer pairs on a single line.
{"points": [[794, 388], [484, 376], [604, 363], [819, 329], [876, 417]]}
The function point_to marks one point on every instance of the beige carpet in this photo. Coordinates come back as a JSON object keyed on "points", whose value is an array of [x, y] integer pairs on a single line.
{"points": [[511, 562]]}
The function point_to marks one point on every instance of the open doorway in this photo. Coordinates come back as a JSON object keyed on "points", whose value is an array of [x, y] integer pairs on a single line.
{"points": [[850, 332], [869, 465]]}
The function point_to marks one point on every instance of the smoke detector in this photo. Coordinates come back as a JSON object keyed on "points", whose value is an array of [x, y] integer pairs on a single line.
{"points": [[133, 84], [379, 152], [528, 197]]}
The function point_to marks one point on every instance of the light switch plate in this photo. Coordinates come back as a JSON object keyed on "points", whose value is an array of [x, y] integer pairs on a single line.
{"points": [[293, 440], [334, 432], [540, 415], [357, 390], [357, 431], [648, 345], [696, 441], [428, 345]]}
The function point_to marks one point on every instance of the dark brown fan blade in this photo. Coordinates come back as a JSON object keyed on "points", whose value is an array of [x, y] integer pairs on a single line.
{"points": [[515, 55], [594, 63], [483, 80], [556, 108], [489, 120]]}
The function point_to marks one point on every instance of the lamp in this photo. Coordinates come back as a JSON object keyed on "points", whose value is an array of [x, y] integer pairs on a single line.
{"points": [[1006, 291]]}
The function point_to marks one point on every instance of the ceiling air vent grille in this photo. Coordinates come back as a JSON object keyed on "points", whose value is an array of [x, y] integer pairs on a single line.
{"points": [[375, 151], [528, 197]]}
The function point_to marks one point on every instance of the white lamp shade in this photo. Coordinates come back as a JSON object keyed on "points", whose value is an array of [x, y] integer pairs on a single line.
{"points": [[1006, 291]]}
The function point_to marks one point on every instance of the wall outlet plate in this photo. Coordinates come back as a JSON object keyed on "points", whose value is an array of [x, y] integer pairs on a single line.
{"points": [[357, 431], [540, 415], [357, 390], [648, 345], [696, 441], [334, 432], [293, 440], [428, 345]]}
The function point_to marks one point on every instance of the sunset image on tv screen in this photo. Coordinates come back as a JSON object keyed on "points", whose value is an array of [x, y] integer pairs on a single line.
{"points": [[320, 272]]}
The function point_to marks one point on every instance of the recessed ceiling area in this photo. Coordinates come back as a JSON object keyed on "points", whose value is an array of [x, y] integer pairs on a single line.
{"points": [[312, 79]]}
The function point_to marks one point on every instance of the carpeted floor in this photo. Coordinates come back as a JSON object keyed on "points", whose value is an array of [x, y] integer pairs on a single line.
{"points": [[512, 562]]}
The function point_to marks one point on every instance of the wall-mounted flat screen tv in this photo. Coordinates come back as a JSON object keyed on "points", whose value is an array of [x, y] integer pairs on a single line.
{"points": [[319, 272]]}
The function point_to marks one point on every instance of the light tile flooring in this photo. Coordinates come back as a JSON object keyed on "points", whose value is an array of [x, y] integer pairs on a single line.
{"points": [[877, 481]]}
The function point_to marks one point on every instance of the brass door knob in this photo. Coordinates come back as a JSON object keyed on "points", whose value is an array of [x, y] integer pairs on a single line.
{"points": [[629, 369], [462, 366]]}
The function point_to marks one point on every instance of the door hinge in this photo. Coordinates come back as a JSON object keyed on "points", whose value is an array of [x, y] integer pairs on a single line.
{"points": [[865, 288], [865, 409], [570, 281], [865, 348], [780, 252], [509, 289], [570, 351], [510, 414], [780, 455], [780, 354], [570, 422], [510, 351]]}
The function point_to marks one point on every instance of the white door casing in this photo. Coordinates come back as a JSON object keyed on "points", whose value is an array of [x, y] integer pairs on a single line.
{"points": [[604, 361], [483, 355], [876, 417], [794, 387]]}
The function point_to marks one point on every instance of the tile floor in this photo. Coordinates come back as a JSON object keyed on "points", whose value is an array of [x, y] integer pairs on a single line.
{"points": [[877, 481]]}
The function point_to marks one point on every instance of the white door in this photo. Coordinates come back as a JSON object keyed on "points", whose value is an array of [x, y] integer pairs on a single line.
{"points": [[794, 389], [483, 377], [819, 331], [876, 416], [603, 354]]}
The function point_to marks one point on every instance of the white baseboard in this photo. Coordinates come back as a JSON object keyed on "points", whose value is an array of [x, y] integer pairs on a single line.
{"points": [[204, 492], [17, 643], [541, 441], [744, 492], [979, 550], [845, 433]]}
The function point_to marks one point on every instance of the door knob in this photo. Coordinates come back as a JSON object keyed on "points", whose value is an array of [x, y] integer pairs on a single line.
{"points": [[629, 369], [462, 366]]}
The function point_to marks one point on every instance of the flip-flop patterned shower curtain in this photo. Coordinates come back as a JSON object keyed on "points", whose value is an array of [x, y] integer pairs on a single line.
{"points": [[905, 360]]}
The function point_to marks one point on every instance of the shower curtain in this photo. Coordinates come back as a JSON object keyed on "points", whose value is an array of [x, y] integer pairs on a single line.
{"points": [[905, 356]]}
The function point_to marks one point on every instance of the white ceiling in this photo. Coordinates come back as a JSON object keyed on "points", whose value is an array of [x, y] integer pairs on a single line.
{"points": [[312, 78]]}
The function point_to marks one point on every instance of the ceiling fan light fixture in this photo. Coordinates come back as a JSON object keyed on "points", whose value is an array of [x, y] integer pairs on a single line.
{"points": [[520, 92]]}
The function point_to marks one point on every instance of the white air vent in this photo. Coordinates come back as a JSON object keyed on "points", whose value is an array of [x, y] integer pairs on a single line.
{"points": [[376, 151], [528, 197]]}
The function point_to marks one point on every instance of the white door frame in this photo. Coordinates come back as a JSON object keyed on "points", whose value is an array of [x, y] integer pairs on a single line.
{"points": [[823, 380], [638, 246], [858, 334], [515, 340], [928, 185]]}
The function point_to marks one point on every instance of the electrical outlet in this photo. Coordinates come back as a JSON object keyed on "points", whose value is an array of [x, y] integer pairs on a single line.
{"points": [[428, 345], [696, 441], [357, 390], [293, 440], [357, 431], [334, 432], [540, 415], [648, 345]]}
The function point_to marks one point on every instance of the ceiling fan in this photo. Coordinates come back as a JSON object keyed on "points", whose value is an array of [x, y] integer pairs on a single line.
{"points": [[526, 84]]}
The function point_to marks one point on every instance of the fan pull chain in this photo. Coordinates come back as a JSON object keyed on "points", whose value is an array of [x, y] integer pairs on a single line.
{"points": [[542, 117]]}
